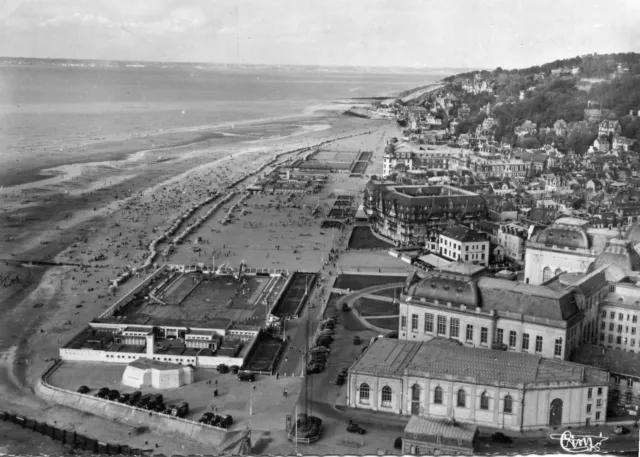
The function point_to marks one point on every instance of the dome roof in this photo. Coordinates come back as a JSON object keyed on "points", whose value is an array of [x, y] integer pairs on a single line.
{"points": [[563, 236], [621, 255], [390, 149], [446, 288], [633, 234]]}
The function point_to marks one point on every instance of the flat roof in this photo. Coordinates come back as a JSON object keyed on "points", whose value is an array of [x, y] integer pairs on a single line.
{"points": [[145, 364]]}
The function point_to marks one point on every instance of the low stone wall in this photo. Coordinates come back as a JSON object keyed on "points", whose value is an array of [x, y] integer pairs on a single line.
{"points": [[130, 415]]}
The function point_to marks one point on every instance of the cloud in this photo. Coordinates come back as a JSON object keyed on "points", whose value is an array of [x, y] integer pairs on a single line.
{"points": [[77, 18]]}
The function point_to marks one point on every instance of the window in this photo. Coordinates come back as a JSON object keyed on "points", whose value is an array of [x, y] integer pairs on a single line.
{"points": [[484, 335], [634, 319], [462, 398], [620, 316], [442, 325], [598, 402], [612, 315], [386, 396], [508, 404], [546, 274], [525, 341], [500, 336], [437, 395], [599, 391], [629, 397], [403, 322], [618, 340], [610, 338], [603, 325], [484, 400], [414, 322], [604, 314], [364, 393], [589, 393], [557, 350], [629, 382], [538, 343], [588, 409], [469, 332], [415, 392], [597, 415], [619, 328], [611, 326], [633, 342], [512, 339], [428, 323], [455, 327]]}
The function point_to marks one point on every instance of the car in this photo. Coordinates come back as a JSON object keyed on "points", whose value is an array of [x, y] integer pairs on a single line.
{"points": [[143, 401], [344, 371], [124, 398], [215, 420], [181, 410], [136, 395], [345, 307], [620, 430], [246, 376], [500, 437], [355, 428], [83, 389], [113, 395], [103, 392], [234, 369], [206, 418], [156, 398], [169, 409], [340, 380], [356, 340], [226, 421], [222, 368], [315, 368], [159, 407]]}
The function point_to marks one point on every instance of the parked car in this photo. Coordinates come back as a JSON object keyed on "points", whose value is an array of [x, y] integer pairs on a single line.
{"points": [[159, 407], [226, 421], [156, 398], [344, 372], [620, 430], [103, 392], [222, 368], [143, 401], [315, 368], [124, 398], [340, 380], [169, 410], [113, 395], [83, 389], [181, 410], [246, 376], [206, 418], [234, 369], [215, 420], [356, 340], [135, 396], [355, 428], [500, 437]]}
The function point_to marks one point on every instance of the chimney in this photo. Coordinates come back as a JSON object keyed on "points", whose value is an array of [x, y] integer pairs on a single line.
{"points": [[150, 345]]}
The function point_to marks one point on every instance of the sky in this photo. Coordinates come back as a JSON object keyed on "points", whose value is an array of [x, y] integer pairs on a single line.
{"points": [[420, 33]]}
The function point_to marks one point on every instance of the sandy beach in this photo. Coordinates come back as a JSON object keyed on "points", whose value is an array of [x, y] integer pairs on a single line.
{"points": [[97, 219]]}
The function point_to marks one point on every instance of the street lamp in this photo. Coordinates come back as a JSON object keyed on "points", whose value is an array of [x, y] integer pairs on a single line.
{"points": [[251, 400]]}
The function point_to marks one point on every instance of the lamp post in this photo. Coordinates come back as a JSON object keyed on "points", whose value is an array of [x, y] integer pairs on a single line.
{"points": [[251, 400]]}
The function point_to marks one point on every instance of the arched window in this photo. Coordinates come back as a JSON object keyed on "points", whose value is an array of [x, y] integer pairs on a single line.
{"points": [[364, 392], [558, 271], [484, 400], [437, 395], [462, 398], [415, 392], [386, 395], [508, 404], [546, 274]]}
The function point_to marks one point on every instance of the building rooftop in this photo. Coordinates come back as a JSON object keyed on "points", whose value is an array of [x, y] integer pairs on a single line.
{"points": [[439, 358], [612, 360], [464, 234], [440, 427]]}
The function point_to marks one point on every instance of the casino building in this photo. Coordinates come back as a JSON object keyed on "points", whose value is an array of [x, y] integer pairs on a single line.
{"points": [[442, 379], [405, 215]]}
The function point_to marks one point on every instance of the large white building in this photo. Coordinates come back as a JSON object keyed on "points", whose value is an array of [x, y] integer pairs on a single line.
{"points": [[460, 302], [496, 389], [567, 245], [464, 244]]}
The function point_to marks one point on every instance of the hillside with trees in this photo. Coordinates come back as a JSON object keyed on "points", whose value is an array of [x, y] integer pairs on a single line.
{"points": [[544, 94]]}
